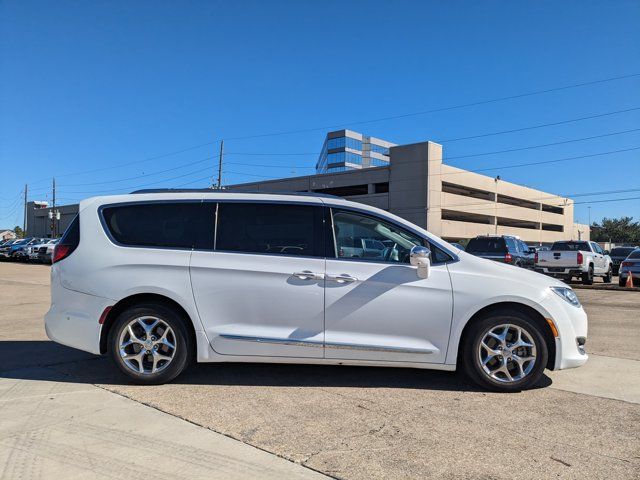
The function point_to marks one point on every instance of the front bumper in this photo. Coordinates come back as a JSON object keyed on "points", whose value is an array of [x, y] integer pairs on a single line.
{"points": [[571, 323]]}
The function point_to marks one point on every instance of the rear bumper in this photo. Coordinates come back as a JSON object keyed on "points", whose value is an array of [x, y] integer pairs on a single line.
{"points": [[559, 272], [72, 319]]}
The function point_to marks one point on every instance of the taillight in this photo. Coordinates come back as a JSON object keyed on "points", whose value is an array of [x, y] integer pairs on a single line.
{"points": [[69, 241], [626, 264], [580, 257], [60, 252], [508, 258]]}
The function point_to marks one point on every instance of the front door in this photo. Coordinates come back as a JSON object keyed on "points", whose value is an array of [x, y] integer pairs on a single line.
{"points": [[376, 307], [261, 291]]}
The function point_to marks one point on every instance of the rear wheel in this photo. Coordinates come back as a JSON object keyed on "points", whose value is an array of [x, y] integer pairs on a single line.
{"points": [[150, 343], [587, 278], [607, 278], [622, 282], [505, 351]]}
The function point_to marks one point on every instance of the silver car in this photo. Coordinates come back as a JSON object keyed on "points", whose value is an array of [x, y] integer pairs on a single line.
{"points": [[630, 266]]}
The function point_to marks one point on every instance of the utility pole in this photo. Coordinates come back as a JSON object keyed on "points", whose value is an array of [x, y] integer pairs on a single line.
{"points": [[53, 211], [24, 222], [495, 209], [220, 164]]}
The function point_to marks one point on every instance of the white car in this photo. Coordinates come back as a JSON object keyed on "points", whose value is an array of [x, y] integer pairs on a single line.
{"points": [[33, 251], [156, 279]]}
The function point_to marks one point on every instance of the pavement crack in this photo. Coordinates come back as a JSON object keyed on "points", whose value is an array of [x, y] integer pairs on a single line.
{"points": [[560, 461]]}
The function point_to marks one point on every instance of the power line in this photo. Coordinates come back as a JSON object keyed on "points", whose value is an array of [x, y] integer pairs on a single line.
{"points": [[530, 147], [440, 109], [138, 176], [362, 122], [542, 125]]}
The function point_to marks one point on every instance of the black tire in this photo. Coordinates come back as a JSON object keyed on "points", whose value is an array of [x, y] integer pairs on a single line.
{"points": [[474, 336], [622, 282], [587, 278], [184, 347], [567, 279], [609, 276]]}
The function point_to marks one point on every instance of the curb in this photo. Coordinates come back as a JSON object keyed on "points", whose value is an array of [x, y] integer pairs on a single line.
{"points": [[603, 286]]}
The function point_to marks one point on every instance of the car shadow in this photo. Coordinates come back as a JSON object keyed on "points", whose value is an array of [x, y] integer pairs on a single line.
{"points": [[49, 361]]}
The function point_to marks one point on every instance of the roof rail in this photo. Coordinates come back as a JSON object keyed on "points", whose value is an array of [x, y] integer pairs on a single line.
{"points": [[214, 190]]}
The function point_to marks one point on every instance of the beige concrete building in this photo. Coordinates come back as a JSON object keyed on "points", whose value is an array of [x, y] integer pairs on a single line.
{"points": [[450, 202]]}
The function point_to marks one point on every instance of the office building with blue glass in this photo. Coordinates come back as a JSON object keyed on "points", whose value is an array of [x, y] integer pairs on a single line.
{"points": [[345, 150]]}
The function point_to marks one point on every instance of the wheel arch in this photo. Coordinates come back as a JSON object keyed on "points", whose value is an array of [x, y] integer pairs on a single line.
{"points": [[525, 309], [137, 299]]}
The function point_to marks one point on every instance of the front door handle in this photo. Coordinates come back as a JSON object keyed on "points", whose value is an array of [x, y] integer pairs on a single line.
{"points": [[308, 275], [343, 278]]}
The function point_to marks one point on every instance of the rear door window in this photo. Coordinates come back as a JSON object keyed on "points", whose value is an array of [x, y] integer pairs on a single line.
{"points": [[275, 229], [162, 224]]}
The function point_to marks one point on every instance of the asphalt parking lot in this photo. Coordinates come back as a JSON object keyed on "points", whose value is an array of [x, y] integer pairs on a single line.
{"points": [[64, 413]]}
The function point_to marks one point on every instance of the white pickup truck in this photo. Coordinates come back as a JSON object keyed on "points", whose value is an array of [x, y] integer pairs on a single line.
{"points": [[578, 258]]}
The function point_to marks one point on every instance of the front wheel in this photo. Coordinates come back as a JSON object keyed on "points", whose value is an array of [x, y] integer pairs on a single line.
{"points": [[150, 343], [505, 351]]}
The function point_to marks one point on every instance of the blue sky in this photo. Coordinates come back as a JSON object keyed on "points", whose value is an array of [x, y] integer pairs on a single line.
{"points": [[90, 86]]}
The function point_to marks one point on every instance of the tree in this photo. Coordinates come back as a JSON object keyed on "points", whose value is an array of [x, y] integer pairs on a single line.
{"points": [[617, 230], [18, 231]]}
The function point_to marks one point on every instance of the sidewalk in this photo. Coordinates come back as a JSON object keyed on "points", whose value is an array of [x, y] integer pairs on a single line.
{"points": [[61, 429]]}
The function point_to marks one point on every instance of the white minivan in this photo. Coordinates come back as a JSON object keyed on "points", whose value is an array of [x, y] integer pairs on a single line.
{"points": [[156, 279]]}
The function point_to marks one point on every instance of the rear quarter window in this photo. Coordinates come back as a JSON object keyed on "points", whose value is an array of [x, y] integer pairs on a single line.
{"points": [[162, 225]]}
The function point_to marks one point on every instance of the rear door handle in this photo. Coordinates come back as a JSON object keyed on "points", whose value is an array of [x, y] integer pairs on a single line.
{"points": [[308, 275], [343, 278]]}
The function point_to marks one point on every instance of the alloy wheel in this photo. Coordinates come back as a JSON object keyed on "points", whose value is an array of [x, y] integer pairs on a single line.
{"points": [[507, 353], [147, 345]]}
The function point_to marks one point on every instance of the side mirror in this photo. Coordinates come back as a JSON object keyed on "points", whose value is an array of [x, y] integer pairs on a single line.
{"points": [[606, 252], [421, 257]]}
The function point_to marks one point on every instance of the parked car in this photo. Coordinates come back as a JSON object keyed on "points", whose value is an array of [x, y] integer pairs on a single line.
{"points": [[618, 254], [155, 279], [568, 259], [527, 252], [5, 247], [45, 252], [14, 250], [630, 267], [357, 247], [21, 252], [458, 246], [34, 250], [505, 249]]}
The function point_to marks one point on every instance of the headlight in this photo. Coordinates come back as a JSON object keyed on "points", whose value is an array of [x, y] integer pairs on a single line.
{"points": [[567, 294]]}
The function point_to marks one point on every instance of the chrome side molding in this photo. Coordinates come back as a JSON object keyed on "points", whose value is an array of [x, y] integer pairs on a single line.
{"points": [[332, 345]]}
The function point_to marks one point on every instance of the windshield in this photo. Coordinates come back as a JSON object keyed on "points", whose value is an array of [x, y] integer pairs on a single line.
{"points": [[570, 246], [487, 245], [635, 254]]}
